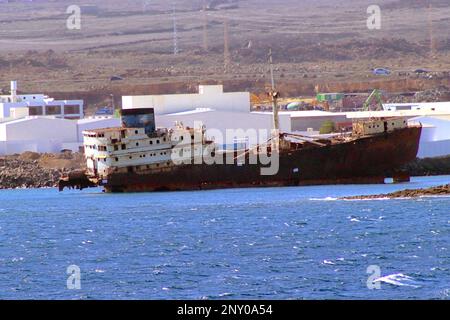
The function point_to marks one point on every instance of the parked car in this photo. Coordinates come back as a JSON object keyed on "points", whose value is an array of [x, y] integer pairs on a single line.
{"points": [[116, 78], [381, 72], [421, 71]]}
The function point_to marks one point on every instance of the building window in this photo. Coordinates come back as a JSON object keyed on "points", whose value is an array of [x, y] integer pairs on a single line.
{"points": [[117, 159], [53, 110], [36, 111], [72, 109], [137, 144]]}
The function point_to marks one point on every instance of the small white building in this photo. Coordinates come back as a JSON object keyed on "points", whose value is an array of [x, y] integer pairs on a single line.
{"points": [[16, 106], [419, 106]]}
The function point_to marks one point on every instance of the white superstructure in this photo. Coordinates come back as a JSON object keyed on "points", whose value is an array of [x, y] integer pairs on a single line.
{"points": [[132, 150]]}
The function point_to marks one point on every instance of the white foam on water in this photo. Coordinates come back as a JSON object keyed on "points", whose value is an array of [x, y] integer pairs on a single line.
{"points": [[398, 279], [323, 199], [371, 199], [435, 196]]}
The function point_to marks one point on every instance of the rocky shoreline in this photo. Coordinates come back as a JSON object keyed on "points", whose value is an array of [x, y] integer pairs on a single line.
{"points": [[410, 193], [34, 170]]}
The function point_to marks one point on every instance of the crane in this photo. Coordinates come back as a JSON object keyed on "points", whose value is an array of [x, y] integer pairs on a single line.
{"points": [[376, 94]]}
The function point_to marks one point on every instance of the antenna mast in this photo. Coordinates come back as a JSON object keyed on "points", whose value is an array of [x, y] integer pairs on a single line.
{"points": [[431, 32], [227, 59], [175, 30], [205, 27]]}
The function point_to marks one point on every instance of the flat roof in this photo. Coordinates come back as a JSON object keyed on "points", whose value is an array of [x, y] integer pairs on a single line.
{"points": [[188, 112]]}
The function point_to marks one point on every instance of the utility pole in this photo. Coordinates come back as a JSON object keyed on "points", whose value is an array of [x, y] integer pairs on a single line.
{"points": [[274, 95], [431, 33], [205, 27], [227, 59], [175, 30], [113, 105]]}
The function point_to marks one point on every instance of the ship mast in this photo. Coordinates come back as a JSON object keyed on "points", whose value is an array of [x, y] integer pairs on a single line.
{"points": [[274, 96]]}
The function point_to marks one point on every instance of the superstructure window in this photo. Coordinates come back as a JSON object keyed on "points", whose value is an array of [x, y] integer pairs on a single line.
{"points": [[124, 147]]}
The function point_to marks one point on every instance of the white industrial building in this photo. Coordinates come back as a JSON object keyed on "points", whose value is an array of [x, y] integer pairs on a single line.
{"points": [[435, 139], [208, 97], [15, 106], [35, 122], [47, 134], [418, 106]]}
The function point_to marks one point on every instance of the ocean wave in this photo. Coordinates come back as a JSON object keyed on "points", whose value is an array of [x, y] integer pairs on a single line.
{"points": [[398, 279]]}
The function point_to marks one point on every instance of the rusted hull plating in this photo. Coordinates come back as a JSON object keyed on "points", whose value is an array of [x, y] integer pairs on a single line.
{"points": [[366, 160]]}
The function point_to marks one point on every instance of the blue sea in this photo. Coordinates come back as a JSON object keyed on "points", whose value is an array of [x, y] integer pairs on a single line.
{"points": [[275, 243]]}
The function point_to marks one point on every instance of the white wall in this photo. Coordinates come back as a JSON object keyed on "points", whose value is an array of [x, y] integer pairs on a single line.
{"points": [[435, 139], [211, 97], [40, 134], [42, 129]]}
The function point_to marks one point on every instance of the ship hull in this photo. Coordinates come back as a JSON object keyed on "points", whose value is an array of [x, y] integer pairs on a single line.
{"points": [[367, 160]]}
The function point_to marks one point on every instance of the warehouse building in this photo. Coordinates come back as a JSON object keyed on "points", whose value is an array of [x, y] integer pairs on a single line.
{"points": [[47, 134], [208, 97]]}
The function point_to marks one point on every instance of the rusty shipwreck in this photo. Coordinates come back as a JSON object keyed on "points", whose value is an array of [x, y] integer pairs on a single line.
{"points": [[137, 157]]}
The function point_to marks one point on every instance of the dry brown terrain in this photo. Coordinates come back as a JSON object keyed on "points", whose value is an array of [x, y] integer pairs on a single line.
{"points": [[322, 42]]}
